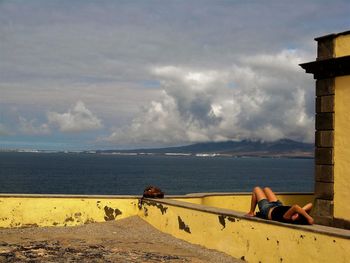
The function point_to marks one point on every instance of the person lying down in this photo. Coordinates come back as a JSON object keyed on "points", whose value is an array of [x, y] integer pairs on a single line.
{"points": [[272, 209]]}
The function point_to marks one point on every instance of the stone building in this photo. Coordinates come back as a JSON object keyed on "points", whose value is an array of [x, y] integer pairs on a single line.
{"points": [[331, 71]]}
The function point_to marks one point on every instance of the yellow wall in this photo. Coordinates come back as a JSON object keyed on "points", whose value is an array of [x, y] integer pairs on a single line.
{"points": [[221, 229], [342, 148], [250, 239], [241, 202], [342, 45], [63, 211], [46, 210]]}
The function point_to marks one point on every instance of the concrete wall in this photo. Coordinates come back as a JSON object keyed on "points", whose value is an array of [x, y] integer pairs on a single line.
{"points": [[250, 239], [332, 156], [241, 201], [35, 210], [65, 210], [342, 45], [341, 136], [342, 149]]}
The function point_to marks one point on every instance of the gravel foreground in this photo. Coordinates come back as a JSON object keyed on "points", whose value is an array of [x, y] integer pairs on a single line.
{"points": [[126, 240]]}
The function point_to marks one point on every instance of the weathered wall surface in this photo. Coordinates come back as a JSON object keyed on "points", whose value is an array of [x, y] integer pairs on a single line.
{"points": [[254, 240], [341, 136], [332, 156], [25, 211], [250, 239], [342, 148], [64, 210], [241, 201], [342, 45]]}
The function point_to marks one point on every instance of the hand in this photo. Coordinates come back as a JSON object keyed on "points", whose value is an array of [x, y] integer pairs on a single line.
{"points": [[295, 217]]}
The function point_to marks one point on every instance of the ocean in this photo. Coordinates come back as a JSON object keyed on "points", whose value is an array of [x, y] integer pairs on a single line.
{"points": [[95, 174]]}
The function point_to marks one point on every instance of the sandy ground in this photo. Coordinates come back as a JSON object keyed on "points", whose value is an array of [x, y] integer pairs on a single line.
{"points": [[126, 240]]}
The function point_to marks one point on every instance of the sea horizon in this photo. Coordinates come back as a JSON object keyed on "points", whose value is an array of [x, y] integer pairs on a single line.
{"points": [[111, 174]]}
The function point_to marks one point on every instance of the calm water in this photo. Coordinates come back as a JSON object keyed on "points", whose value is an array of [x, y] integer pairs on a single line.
{"points": [[58, 173]]}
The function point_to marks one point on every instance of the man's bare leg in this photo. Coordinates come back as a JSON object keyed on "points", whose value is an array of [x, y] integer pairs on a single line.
{"points": [[271, 197], [257, 195]]}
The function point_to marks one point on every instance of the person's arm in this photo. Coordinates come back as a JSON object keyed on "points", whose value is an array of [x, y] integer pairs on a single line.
{"points": [[297, 209], [307, 208]]}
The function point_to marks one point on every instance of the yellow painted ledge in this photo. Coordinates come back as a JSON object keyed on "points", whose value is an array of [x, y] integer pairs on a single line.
{"points": [[63, 210], [226, 230], [251, 239], [240, 201], [20, 210]]}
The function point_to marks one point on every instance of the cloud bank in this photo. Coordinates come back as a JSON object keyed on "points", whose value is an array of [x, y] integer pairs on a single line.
{"points": [[263, 97], [77, 119], [157, 72]]}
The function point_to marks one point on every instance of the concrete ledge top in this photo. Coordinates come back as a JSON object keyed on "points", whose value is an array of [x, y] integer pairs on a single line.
{"points": [[334, 35], [190, 195], [70, 196], [231, 193], [331, 231]]}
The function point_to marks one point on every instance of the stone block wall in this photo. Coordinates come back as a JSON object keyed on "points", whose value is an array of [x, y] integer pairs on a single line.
{"points": [[324, 151], [333, 61]]}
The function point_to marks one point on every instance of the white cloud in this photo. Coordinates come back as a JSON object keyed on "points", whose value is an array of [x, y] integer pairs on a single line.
{"points": [[77, 119], [286, 60], [213, 64], [268, 102], [32, 127]]}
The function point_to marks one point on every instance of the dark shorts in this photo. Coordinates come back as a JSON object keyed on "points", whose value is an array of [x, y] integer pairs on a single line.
{"points": [[265, 206]]}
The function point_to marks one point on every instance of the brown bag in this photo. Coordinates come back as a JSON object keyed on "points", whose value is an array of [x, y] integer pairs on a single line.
{"points": [[153, 192]]}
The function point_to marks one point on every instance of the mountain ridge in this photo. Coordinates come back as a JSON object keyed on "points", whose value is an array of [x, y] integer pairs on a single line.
{"points": [[279, 148]]}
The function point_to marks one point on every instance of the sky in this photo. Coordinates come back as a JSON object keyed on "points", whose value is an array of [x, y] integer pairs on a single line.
{"points": [[80, 74]]}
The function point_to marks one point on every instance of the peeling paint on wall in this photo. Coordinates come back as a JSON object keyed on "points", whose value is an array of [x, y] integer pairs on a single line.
{"points": [[183, 226], [222, 219], [145, 211], [111, 213], [69, 219], [89, 221], [161, 208], [62, 211], [139, 203], [78, 214], [29, 225]]}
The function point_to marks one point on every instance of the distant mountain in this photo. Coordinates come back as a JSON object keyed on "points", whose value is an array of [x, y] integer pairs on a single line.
{"points": [[280, 148]]}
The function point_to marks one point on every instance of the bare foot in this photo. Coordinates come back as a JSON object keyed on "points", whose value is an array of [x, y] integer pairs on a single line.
{"points": [[250, 214]]}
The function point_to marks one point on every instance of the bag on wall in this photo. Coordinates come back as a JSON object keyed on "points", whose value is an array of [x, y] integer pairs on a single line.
{"points": [[153, 192]]}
